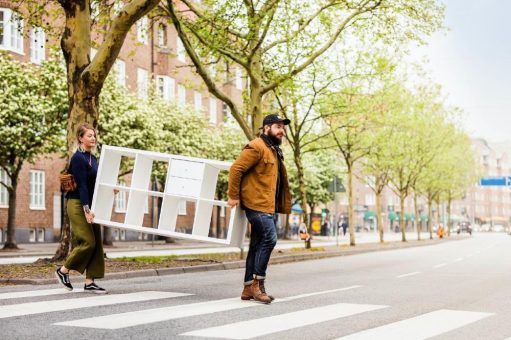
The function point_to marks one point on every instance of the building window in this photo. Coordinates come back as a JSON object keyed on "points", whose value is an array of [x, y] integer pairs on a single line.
{"points": [[142, 30], [180, 50], [120, 69], [162, 35], [36, 189], [165, 87], [37, 42], [40, 235], [239, 79], [197, 101], [142, 79], [181, 95], [11, 30], [370, 199], [182, 207], [120, 200], [123, 235], [212, 111], [4, 194]]}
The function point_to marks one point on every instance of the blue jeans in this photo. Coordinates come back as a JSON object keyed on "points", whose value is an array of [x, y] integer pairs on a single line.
{"points": [[263, 238]]}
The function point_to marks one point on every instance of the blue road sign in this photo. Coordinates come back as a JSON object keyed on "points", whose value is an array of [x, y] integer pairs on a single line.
{"points": [[495, 181]]}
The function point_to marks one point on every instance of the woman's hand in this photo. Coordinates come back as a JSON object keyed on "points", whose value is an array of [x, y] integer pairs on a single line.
{"points": [[90, 217]]}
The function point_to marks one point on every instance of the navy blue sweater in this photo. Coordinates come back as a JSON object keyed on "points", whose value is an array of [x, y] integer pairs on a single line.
{"points": [[85, 176]]}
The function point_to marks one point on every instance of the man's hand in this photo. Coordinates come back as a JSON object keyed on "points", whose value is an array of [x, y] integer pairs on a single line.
{"points": [[232, 203]]}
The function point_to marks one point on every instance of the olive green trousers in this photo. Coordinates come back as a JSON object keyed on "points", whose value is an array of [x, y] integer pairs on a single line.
{"points": [[87, 248]]}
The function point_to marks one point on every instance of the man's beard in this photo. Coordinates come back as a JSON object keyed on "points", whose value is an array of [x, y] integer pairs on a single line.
{"points": [[274, 138]]}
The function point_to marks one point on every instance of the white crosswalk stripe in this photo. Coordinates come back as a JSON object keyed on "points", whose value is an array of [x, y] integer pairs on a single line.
{"points": [[277, 323], [418, 327], [36, 293], [421, 327], [60, 305], [130, 319]]}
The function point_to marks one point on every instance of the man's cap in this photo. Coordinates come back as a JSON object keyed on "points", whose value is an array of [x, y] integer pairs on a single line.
{"points": [[275, 118]]}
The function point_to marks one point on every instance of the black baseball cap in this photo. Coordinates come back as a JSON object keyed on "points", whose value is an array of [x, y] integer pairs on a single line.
{"points": [[275, 118]]}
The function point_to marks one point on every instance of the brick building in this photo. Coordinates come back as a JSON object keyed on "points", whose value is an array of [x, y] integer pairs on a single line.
{"points": [[152, 54]]}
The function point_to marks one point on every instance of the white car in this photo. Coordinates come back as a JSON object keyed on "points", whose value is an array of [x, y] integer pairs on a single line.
{"points": [[498, 228]]}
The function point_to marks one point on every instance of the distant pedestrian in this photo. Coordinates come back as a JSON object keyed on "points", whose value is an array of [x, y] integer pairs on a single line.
{"points": [[258, 182], [87, 252], [344, 226]]}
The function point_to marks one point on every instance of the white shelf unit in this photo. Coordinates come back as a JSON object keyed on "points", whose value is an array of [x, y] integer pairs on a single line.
{"points": [[190, 179]]}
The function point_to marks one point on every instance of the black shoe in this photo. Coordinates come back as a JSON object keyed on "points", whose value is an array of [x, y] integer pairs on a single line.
{"points": [[63, 279], [94, 288]]}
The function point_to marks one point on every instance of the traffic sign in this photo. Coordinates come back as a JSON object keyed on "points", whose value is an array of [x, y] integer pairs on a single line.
{"points": [[495, 181]]}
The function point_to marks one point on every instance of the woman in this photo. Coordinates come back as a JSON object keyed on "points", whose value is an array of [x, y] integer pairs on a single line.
{"points": [[87, 253]]}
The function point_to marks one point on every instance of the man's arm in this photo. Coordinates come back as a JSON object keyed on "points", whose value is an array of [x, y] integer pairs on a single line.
{"points": [[248, 158]]}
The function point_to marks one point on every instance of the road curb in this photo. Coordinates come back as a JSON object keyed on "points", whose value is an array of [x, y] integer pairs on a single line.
{"points": [[241, 264]]}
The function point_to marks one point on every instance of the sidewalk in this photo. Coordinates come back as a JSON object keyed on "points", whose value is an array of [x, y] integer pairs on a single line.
{"points": [[30, 252], [366, 242]]}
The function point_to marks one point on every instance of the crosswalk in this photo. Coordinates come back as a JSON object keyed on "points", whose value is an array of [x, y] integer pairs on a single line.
{"points": [[277, 321]]}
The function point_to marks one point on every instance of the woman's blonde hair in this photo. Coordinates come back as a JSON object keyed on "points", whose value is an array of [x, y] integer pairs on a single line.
{"points": [[80, 132]]}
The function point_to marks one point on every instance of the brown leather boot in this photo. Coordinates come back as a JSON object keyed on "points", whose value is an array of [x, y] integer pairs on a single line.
{"points": [[263, 290], [257, 294], [246, 294]]}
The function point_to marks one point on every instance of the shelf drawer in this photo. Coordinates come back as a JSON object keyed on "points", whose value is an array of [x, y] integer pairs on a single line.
{"points": [[186, 169], [183, 186]]}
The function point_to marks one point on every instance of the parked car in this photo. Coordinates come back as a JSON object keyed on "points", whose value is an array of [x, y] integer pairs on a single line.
{"points": [[464, 227], [486, 227], [498, 228]]}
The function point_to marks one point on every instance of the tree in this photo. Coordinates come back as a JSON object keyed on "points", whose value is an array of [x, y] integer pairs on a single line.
{"points": [[350, 120], [32, 111], [85, 77], [377, 165], [419, 139], [253, 36]]}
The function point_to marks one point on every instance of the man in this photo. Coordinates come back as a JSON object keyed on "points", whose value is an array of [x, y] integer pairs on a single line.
{"points": [[258, 181]]}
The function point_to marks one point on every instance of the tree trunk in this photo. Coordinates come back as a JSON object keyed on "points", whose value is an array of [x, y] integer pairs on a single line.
{"points": [[10, 241], [286, 228], [402, 198], [309, 227], [218, 228], [449, 220], [108, 239], [65, 239], [438, 217], [351, 219], [418, 221], [430, 218], [378, 214]]}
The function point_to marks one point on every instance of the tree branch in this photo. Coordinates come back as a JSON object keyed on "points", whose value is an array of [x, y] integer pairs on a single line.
{"points": [[321, 50], [201, 70], [97, 71]]}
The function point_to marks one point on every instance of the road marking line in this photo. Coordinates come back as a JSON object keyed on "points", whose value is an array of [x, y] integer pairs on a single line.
{"points": [[141, 317], [469, 256], [421, 327], [409, 274], [277, 323], [459, 259], [66, 304], [440, 265], [35, 293]]}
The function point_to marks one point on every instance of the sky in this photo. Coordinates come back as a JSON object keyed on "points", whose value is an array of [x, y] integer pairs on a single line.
{"points": [[472, 62]]}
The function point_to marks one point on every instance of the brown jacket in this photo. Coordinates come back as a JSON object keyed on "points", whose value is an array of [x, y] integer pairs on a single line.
{"points": [[253, 179]]}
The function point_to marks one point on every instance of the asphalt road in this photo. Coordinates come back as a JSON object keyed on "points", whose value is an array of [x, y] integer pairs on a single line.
{"points": [[454, 290]]}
